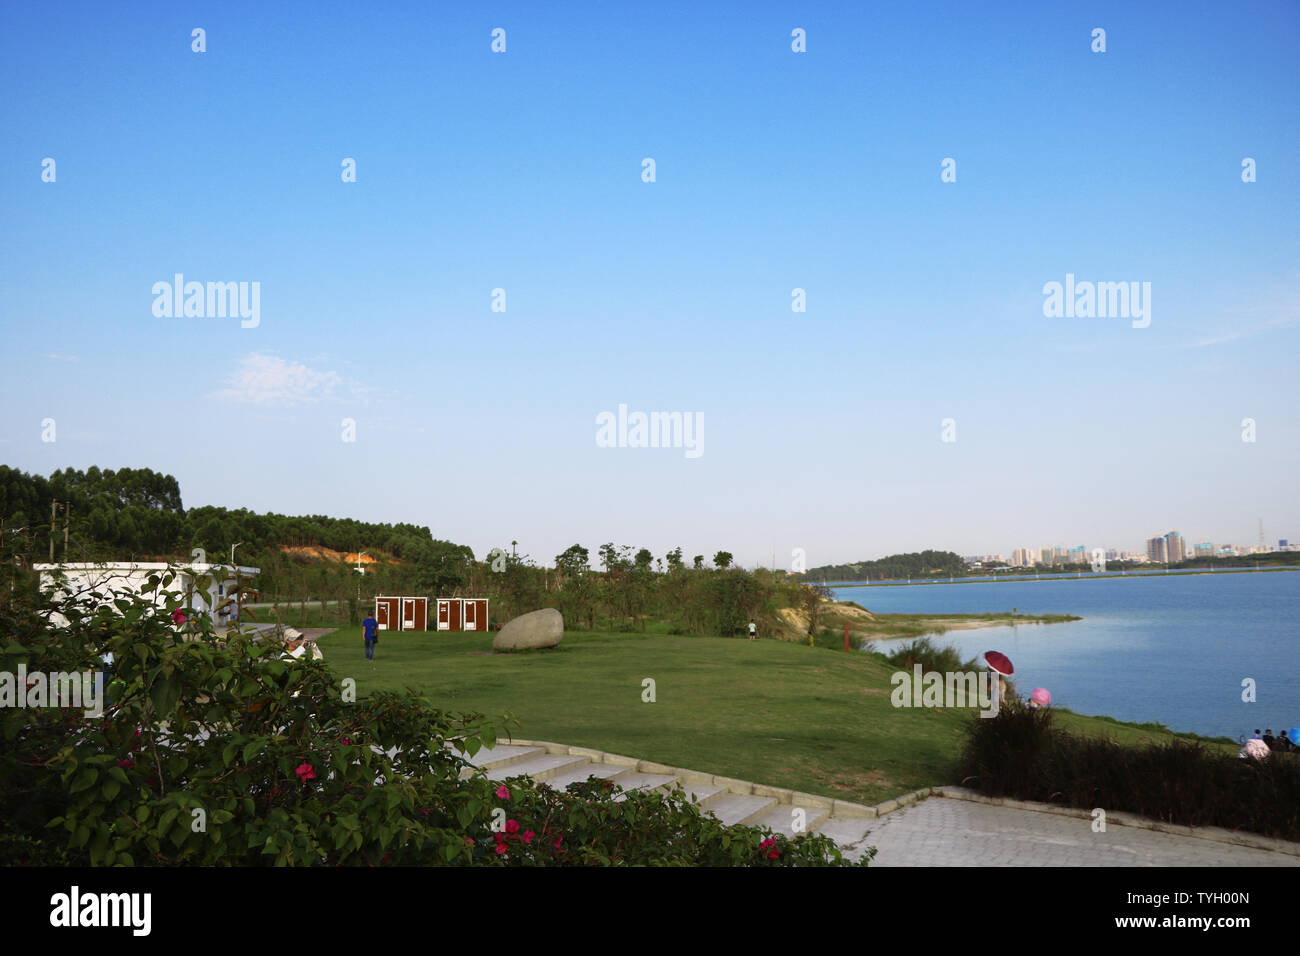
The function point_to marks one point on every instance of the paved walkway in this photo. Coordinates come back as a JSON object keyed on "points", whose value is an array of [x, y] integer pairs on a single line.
{"points": [[942, 831]]}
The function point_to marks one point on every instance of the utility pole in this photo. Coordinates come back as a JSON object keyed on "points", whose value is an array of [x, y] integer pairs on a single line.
{"points": [[54, 510]]}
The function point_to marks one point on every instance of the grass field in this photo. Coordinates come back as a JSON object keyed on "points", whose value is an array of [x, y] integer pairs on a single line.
{"points": [[783, 714]]}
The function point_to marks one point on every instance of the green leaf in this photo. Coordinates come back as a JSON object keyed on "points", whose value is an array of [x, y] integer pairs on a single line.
{"points": [[85, 780], [166, 693], [252, 749], [166, 821]]}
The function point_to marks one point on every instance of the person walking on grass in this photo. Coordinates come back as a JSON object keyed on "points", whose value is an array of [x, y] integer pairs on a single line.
{"points": [[370, 631], [753, 630]]}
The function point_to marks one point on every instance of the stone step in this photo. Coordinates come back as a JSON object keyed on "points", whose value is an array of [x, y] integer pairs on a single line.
{"points": [[780, 819], [704, 793], [734, 808], [502, 754], [601, 771], [540, 767], [633, 780]]}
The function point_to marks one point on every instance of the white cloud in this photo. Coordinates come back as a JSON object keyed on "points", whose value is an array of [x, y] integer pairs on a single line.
{"points": [[264, 379]]}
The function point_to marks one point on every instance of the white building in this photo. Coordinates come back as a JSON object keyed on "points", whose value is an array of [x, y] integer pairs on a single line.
{"points": [[205, 587]]}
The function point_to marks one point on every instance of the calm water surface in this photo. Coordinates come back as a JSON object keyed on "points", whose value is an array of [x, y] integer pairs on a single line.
{"points": [[1171, 649]]}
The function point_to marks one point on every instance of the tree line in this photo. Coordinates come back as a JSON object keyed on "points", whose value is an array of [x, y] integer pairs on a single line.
{"points": [[914, 564]]}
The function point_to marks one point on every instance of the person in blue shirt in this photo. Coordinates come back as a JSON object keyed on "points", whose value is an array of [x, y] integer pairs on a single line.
{"points": [[370, 631]]}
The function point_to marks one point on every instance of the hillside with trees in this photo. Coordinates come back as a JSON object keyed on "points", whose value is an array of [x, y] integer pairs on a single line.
{"points": [[137, 514], [915, 564]]}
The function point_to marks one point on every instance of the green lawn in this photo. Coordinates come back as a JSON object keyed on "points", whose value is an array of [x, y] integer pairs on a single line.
{"points": [[772, 712]]}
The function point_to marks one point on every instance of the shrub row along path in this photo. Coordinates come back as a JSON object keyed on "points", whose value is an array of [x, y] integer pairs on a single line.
{"points": [[938, 831]]}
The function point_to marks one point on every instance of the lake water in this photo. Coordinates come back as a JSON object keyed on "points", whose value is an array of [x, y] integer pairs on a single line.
{"points": [[1173, 649]]}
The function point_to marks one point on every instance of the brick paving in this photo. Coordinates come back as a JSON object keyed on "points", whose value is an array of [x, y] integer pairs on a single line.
{"points": [[949, 832]]}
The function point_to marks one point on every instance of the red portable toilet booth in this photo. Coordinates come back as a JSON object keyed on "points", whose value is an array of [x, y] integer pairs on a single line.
{"points": [[475, 614], [415, 614], [449, 614], [388, 612]]}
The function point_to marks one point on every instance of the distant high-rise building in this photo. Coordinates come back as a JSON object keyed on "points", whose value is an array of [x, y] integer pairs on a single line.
{"points": [[1204, 550], [1157, 550], [1022, 558], [1175, 547]]}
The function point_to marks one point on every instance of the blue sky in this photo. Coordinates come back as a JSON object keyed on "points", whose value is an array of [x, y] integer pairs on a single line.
{"points": [[775, 170]]}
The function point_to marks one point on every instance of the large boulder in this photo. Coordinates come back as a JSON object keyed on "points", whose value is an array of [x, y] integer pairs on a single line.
{"points": [[542, 628]]}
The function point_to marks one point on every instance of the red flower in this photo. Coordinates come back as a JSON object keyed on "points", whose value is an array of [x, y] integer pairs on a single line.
{"points": [[501, 848], [346, 742], [767, 843], [503, 793], [774, 854], [558, 841], [178, 617], [306, 772], [512, 826], [528, 836], [126, 764]]}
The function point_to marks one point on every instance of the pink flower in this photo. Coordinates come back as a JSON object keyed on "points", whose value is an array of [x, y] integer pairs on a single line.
{"points": [[306, 772], [767, 843], [178, 617], [774, 854], [126, 764], [512, 826], [558, 841], [501, 848], [503, 793], [528, 836], [346, 742]]}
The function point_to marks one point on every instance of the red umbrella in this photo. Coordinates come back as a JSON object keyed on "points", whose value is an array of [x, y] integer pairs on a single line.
{"points": [[999, 663]]}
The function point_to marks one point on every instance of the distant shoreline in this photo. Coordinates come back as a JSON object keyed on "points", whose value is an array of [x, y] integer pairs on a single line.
{"points": [[1046, 576]]}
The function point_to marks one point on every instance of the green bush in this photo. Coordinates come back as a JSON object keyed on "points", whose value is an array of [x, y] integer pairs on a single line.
{"points": [[1021, 753], [923, 651]]}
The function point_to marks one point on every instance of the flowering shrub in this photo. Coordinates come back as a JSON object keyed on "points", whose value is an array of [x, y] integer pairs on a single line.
{"points": [[217, 752], [585, 825]]}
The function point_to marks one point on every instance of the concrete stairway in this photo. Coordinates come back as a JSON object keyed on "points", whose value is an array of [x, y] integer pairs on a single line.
{"points": [[732, 802]]}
